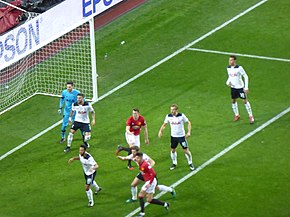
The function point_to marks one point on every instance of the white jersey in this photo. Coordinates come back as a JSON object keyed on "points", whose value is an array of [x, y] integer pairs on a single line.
{"points": [[176, 124], [87, 162], [82, 112], [145, 157], [235, 74]]}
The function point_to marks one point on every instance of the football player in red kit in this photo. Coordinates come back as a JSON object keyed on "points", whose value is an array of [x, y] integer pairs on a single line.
{"points": [[148, 189]]}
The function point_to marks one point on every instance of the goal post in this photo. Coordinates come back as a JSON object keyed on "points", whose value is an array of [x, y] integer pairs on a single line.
{"points": [[71, 57]]}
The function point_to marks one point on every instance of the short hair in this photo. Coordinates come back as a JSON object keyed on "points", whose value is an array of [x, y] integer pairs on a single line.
{"points": [[70, 82], [175, 106], [233, 56], [139, 154], [136, 148], [81, 94], [83, 146], [136, 110]]}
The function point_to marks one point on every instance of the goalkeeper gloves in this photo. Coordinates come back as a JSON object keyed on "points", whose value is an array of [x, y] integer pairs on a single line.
{"points": [[59, 111]]}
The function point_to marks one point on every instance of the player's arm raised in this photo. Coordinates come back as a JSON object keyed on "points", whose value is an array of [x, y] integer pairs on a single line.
{"points": [[72, 159], [161, 129]]}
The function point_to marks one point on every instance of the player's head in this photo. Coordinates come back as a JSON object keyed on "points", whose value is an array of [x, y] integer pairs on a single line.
{"points": [[69, 86], [135, 150], [135, 113], [82, 149], [80, 98], [174, 109], [139, 157], [232, 60]]}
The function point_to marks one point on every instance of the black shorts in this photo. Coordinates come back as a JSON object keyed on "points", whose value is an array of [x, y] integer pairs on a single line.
{"points": [[89, 179], [82, 126], [181, 140], [238, 93], [140, 176]]}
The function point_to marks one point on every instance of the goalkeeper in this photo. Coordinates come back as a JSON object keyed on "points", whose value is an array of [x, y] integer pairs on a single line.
{"points": [[68, 97]]}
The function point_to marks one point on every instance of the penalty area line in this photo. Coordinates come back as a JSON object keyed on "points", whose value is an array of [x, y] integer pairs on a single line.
{"points": [[239, 54], [217, 156]]}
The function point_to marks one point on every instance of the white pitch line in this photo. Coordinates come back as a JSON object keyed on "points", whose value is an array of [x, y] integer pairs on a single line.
{"points": [[144, 72], [239, 54], [217, 156]]}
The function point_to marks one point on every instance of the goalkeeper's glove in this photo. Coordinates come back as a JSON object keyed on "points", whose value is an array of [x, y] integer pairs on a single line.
{"points": [[59, 111]]}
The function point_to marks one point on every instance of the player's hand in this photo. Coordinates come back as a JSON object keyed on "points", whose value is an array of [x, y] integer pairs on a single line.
{"points": [[148, 186], [93, 123], [246, 91], [187, 135], [230, 84], [120, 157], [146, 141], [59, 111], [70, 160], [69, 119], [159, 134]]}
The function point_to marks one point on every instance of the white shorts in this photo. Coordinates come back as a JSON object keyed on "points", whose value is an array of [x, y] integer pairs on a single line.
{"points": [[132, 139], [151, 189]]}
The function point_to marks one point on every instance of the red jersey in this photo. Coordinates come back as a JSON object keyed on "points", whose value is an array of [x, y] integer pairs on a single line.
{"points": [[135, 125], [147, 171]]}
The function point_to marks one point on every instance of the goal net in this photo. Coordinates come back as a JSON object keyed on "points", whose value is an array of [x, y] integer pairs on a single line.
{"points": [[46, 71]]}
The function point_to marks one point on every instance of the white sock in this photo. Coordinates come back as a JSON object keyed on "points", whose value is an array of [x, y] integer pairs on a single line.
{"points": [[174, 157], [134, 192], [248, 108], [189, 158], [70, 139], [90, 195], [235, 108], [165, 188], [95, 185]]}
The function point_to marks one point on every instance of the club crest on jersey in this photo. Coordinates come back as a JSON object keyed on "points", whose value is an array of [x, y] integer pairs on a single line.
{"points": [[142, 168]]}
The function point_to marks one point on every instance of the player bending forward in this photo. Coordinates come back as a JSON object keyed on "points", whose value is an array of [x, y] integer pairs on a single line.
{"points": [[140, 178], [239, 89], [89, 166], [82, 120], [148, 189]]}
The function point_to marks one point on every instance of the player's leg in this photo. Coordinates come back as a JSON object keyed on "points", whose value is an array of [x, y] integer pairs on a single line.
{"points": [[134, 188], [249, 110], [63, 127], [141, 196], [187, 153], [235, 95], [173, 153], [89, 192], [149, 194], [94, 184], [70, 137], [166, 189], [86, 128]]}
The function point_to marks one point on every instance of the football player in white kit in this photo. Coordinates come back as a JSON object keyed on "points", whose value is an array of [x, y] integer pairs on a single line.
{"points": [[89, 166], [139, 177], [178, 136], [82, 120], [239, 88]]}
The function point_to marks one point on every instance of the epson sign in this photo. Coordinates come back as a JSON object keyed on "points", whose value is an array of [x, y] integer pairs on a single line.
{"points": [[94, 7], [19, 41]]}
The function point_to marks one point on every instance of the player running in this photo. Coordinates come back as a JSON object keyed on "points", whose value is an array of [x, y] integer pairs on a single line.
{"points": [[82, 120], [239, 88], [68, 97], [177, 120], [89, 166], [148, 189], [139, 178], [132, 134]]}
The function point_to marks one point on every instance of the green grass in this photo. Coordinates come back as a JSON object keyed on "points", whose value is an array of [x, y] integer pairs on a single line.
{"points": [[251, 180]]}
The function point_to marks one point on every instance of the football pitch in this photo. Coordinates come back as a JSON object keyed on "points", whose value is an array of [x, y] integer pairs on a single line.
{"points": [[180, 50]]}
